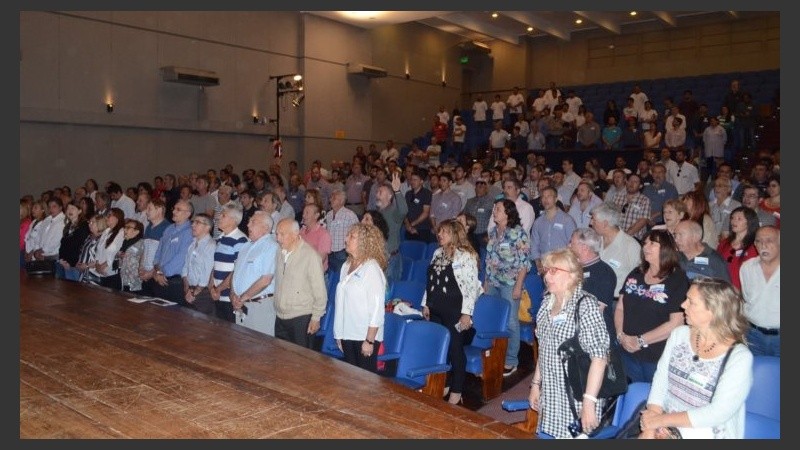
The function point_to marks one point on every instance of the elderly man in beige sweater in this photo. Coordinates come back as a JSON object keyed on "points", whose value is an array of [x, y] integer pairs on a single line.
{"points": [[300, 293]]}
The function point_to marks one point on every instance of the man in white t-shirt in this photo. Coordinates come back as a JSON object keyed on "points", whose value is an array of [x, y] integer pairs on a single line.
{"points": [[498, 108], [574, 102], [444, 116], [515, 103], [639, 98], [479, 108], [683, 174]]}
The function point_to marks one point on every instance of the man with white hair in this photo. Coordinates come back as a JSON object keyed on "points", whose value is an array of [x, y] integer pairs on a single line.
{"points": [[696, 257], [761, 289], [231, 240], [300, 294], [598, 277], [621, 251], [252, 286]]}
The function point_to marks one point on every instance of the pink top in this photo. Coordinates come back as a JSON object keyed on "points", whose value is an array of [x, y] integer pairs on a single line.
{"points": [[23, 230], [320, 239]]}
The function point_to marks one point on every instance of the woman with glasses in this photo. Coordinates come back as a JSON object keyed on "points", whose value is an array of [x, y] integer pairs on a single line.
{"points": [[130, 255], [739, 246], [555, 323], [649, 305]]}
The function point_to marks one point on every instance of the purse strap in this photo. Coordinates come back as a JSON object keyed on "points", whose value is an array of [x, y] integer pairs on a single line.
{"points": [[575, 336], [721, 369]]}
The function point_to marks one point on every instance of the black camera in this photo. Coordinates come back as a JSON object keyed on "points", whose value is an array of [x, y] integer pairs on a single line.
{"points": [[575, 428]]}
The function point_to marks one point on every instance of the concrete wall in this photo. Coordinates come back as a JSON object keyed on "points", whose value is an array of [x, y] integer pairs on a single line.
{"points": [[73, 63]]}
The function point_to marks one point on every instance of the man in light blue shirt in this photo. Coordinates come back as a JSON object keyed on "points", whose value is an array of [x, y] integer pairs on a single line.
{"points": [[171, 255], [199, 262], [552, 230], [252, 285]]}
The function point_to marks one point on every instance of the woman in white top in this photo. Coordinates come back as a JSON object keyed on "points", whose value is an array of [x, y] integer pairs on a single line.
{"points": [[107, 248], [33, 236], [694, 389], [360, 297]]}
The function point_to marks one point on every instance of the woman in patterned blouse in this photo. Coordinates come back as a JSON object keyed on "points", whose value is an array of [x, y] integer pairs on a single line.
{"points": [[450, 295], [507, 263]]}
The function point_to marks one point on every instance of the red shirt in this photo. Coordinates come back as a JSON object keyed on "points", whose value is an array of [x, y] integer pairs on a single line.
{"points": [[440, 132], [735, 259]]}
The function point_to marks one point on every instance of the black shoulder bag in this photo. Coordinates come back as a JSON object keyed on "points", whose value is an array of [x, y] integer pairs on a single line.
{"points": [[575, 363]]}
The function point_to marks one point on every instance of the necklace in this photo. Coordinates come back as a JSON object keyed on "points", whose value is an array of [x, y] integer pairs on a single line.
{"points": [[699, 350]]}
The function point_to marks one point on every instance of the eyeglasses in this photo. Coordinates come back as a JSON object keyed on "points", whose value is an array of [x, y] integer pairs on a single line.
{"points": [[552, 270], [201, 222]]}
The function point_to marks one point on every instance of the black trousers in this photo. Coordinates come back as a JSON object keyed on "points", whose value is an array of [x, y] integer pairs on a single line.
{"points": [[352, 354], [173, 291], [295, 330]]}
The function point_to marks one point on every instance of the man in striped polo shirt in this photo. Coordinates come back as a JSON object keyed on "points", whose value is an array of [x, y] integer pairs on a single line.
{"points": [[230, 242]]}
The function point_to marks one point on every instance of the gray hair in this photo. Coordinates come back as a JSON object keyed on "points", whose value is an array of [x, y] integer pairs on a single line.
{"points": [[590, 238], [265, 218], [234, 211], [293, 224], [607, 213]]}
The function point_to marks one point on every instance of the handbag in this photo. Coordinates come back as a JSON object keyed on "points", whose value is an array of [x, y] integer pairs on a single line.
{"points": [[40, 267], [575, 363]]}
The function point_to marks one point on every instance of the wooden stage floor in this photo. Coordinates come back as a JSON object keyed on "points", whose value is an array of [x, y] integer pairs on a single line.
{"points": [[94, 365]]}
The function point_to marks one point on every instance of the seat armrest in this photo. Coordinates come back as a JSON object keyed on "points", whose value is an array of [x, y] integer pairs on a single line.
{"points": [[419, 371]]}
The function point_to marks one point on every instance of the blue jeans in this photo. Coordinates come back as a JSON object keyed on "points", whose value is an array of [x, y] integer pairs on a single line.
{"points": [[763, 344], [512, 354], [636, 369]]}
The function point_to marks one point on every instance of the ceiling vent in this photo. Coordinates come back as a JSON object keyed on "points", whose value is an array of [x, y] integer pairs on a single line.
{"points": [[475, 46], [188, 75], [366, 70]]}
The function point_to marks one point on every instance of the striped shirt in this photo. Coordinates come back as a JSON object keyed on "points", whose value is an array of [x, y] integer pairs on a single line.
{"points": [[225, 255]]}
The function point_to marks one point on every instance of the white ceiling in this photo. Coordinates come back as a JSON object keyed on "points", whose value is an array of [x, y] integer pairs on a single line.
{"points": [[511, 26]]}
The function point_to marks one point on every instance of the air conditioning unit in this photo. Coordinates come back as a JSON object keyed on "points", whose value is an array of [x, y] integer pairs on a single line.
{"points": [[366, 70], [186, 75], [475, 46]]}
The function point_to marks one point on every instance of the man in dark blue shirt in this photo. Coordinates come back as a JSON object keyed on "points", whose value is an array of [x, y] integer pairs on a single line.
{"points": [[598, 277]]}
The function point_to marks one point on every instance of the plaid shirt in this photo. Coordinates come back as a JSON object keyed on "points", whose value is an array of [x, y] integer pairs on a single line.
{"points": [[638, 207], [338, 224]]}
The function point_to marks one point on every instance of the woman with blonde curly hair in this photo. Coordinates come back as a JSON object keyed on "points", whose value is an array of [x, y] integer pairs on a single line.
{"points": [[360, 297], [450, 295]]}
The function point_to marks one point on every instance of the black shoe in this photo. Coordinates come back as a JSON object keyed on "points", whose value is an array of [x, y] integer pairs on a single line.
{"points": [[509, 370]]}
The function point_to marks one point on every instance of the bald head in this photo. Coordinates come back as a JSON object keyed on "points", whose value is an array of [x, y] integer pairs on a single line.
{"points": [[288, 234], [688, 236]]}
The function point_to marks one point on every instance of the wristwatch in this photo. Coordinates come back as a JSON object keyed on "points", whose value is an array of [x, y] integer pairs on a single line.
{"points": [[642, 343]]}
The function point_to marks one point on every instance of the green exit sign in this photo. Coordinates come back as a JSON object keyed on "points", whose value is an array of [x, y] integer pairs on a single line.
{"points": [[464, 59]]}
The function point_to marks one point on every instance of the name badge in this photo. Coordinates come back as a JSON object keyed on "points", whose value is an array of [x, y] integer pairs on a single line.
{"points": [[456, 266], [657, 288], [358, 183], [416, 200], [614, 263], [662, 191], [558, 319], [481, 210], [777, 214], [445, 205], [136, 250], [505, 245], [587, 274], [174, 239], [739, 252], [702, 260], [559, 226], [698, 379]]}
